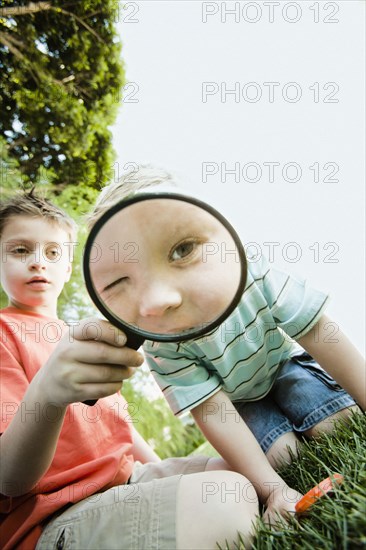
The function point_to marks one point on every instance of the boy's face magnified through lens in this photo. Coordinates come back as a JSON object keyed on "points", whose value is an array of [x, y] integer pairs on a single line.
{"points": [[164, 267]]}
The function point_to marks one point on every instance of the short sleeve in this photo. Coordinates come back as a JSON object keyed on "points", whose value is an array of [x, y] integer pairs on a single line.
{"points": [[183, 379], [295, 306], [13, 384]]}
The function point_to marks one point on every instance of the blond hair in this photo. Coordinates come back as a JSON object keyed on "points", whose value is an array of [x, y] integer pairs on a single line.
{"points": [[134, 181]]}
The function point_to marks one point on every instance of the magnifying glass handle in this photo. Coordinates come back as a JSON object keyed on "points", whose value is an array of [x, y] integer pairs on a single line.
{"points": [[134, 341]]}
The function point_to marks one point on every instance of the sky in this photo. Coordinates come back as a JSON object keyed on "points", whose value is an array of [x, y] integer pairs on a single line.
{"points": [[259, 108]]}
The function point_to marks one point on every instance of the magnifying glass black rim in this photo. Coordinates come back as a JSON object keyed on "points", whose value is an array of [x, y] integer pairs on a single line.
{"points": [[116, 321]]}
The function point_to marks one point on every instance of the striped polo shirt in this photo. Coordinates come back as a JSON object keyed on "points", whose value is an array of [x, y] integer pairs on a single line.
{"points": [[242, 356]]}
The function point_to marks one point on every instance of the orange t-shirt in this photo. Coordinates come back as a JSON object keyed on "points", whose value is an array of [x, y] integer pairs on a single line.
{"points": [[94, 448]]}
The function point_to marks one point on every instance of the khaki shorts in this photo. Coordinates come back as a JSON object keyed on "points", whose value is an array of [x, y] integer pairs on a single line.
{"points": [[140, 515]]}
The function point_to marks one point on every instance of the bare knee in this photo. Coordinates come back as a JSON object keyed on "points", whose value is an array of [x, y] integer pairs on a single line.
{"points": [[217, 464], [327, 425], [214, 507], [283, 450]]}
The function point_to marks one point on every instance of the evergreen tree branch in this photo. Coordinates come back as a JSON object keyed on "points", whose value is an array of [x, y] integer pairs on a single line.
{"points": [[88, 27], [32, 7], [42, 6]]}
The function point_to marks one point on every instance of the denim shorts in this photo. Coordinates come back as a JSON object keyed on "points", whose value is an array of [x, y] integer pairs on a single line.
{"points": [[140, 515], [302, 396]]}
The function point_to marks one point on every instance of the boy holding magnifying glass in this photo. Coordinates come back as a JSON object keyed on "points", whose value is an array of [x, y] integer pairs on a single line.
{"points": [[248, 376]]}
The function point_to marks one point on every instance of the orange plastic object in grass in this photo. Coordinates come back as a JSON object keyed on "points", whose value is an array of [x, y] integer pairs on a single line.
{"points": [[324, 487]]}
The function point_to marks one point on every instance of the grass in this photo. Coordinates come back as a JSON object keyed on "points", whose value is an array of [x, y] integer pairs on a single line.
{"points": [[335, 522]]}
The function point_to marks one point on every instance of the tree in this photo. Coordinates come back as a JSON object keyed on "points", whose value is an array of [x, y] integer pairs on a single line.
{"points": [[61, 77]]}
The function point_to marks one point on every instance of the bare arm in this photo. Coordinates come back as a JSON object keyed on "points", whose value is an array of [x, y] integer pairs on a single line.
{"points": [[338, 356], [228, 433], [28, 445], [141, 450], [76, 371]]}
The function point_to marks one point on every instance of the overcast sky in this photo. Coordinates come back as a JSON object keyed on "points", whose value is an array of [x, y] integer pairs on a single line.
{"points": [[259, 106]]}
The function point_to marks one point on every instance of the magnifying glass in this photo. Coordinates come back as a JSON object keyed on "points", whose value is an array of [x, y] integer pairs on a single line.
{"points": [[164, 267]]}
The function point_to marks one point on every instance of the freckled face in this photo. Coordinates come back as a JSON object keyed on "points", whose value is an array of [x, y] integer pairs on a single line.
{"points": [[165, 266]]}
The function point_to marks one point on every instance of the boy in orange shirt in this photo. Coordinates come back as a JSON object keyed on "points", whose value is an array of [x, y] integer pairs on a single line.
{"points": [[68, 473]]}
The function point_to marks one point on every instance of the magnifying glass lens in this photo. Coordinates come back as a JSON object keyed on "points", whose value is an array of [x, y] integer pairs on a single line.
{"points": [[165, 267]]}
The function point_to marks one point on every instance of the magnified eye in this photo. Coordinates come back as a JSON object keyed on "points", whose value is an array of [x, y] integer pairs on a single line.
{"points": [[183, 250], [115, 283]]}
